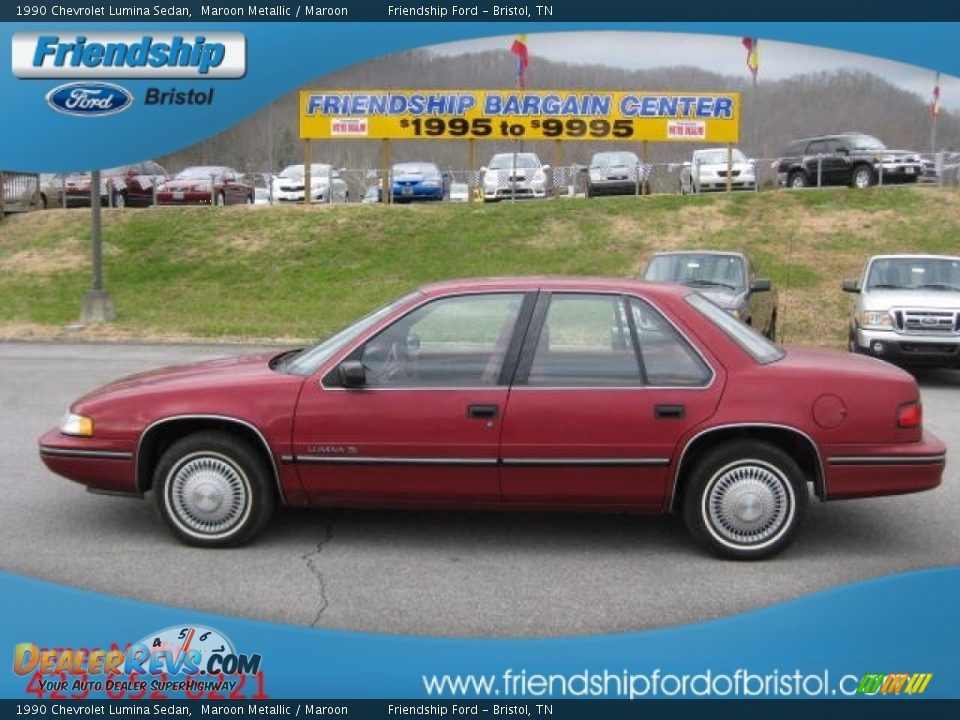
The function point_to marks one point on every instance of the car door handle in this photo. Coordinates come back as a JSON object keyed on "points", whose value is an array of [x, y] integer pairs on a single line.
{"points": [[482, 411], [675, 412]]}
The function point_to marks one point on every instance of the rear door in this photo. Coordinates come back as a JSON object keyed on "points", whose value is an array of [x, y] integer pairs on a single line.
{"points": [[605, 388]]}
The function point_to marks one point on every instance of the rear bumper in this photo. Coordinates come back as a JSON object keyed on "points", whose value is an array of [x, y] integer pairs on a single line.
{"points": [[858, 471], [105, 465]]}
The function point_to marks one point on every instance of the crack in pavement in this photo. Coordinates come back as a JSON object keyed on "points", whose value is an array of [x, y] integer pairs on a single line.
{"points": [[310, 559]]}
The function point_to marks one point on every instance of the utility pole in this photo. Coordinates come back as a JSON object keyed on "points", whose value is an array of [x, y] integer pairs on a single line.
{"points": [[97, 306]]}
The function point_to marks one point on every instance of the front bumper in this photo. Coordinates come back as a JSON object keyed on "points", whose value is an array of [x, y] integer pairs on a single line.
{"points": [[407, 193], [720, 184], [518, 190], [898, 171], [858, 471], [930, 350], [100, 464], [183, 197], [616, 187]]}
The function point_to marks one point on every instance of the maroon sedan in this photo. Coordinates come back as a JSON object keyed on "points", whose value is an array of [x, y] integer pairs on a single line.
{"points": [[569, 394], [206, 185]]}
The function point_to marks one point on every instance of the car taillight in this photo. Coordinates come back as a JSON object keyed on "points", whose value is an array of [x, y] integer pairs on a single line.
{"points": [[910, 415]]}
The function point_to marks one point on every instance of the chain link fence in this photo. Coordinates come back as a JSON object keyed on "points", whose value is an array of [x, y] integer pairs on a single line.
{"points": [[21, 192]]}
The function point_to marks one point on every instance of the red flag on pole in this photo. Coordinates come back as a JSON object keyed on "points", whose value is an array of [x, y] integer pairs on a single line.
{"points": [[935, 105], [753, 54], [519, 48]]}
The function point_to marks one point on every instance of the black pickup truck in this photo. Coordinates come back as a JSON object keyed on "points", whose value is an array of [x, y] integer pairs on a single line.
{"points": [[851, 159]]}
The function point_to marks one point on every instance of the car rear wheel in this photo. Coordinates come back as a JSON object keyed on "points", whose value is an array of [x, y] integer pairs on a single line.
{"points": [[798, 179], [745, 500], [213, 491], [862, 177]]}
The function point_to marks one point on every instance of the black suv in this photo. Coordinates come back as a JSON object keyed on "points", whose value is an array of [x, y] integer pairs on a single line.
{"points": [[851, 159]]}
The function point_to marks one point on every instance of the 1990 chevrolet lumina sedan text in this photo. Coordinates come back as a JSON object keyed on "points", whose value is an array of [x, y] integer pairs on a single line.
{"points": [[570, 394]]}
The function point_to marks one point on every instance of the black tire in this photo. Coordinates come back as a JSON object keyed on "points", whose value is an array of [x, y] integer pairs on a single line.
{"points": [[43, 201], [202, 473], [862, 177], [798, 179], [733, 482], [250, 199]]}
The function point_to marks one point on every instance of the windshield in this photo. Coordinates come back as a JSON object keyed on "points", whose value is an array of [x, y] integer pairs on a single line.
{"points": [[865, 142], [506, 161], [200, 172], [914, 274], [755, 344], [698, 270], [717, 157], [296, 171], [307, 361], [415, 169], [614, 159]]}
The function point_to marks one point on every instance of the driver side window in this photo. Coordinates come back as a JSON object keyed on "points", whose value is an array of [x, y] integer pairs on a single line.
{"points": [[457, 341]]}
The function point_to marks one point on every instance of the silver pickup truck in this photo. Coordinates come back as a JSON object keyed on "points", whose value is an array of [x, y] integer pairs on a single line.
{"points": [[907, 310]]}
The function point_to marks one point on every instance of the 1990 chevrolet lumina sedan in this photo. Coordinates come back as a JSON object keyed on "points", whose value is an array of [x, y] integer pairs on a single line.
{"points": [[530, 393]]}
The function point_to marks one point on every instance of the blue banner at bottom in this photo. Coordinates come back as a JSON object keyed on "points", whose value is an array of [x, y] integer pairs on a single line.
{"points": [[891, 639]]}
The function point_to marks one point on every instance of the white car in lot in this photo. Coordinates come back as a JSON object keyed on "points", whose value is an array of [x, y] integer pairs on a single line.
{"points": [[707, 171], [288, 184], [514, 175]]}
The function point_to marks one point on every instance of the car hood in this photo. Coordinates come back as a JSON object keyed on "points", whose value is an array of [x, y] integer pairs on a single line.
{"points": [[724, 297], [186, 184], [414, 178], [298, 182], [201, 373], [886, 299]]}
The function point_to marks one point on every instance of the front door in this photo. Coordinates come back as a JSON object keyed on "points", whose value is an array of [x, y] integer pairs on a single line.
{"points": [[425, 424], [605, 388]]}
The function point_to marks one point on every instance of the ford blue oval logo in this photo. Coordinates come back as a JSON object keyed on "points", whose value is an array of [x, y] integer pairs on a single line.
{"points": [[89, 99]]}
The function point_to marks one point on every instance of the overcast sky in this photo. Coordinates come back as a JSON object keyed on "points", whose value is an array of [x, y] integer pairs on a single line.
{"points": [[718, 53]]}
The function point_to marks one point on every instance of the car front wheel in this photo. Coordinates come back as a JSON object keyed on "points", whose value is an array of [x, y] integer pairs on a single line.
{"points": [[745, 500], [862, 177], [213, 490]]}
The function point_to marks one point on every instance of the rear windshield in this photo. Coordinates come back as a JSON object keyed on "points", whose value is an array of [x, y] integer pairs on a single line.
{"points": [[752, 342]]}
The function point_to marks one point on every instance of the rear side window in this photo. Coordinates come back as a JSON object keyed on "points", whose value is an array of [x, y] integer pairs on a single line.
{"points": [[607, 340], [752, 342]]}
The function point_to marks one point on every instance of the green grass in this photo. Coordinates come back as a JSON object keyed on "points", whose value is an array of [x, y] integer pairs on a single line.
{"points": [[293, 272]]}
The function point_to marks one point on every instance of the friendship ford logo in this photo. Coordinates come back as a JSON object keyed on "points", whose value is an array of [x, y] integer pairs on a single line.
{"points": [[89, 99]]}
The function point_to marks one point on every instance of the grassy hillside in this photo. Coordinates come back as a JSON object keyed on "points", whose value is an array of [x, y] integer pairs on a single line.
{"points": [[289, 273]]}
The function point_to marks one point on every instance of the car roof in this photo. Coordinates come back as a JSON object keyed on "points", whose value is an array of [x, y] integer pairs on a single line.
{"points": [[698, 252], [553, 284], [913, 256]]}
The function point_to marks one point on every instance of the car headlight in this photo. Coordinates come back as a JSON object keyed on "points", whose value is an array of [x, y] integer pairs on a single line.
{"points": [[431, 183], [78, 425], [539, 176], [879, 319]]}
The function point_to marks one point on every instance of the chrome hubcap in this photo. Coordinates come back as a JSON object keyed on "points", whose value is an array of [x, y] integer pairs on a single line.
{"points": [[208, 494], [748, 503]]}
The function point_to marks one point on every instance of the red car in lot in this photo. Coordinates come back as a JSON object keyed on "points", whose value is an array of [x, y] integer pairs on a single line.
{"points": [[206, 185], [570, 394]]}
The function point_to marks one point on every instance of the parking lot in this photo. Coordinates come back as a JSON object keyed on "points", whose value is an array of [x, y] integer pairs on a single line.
{"points": [[432, 573]]}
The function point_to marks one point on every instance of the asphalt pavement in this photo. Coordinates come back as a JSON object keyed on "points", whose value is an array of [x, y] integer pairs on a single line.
{"points": [[433, 572]]}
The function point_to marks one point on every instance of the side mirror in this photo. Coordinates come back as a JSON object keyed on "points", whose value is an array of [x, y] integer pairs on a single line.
{"points": [[851, 286], [760, 285], [484, 169], [352, 374]]}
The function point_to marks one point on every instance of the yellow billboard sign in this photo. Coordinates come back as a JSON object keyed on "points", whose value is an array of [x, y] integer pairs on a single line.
{"points": [[712, 117]]}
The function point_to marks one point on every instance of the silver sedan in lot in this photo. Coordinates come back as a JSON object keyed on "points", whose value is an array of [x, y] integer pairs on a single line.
{"points": [[615, 173], [708, 171], [514, 175]]}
